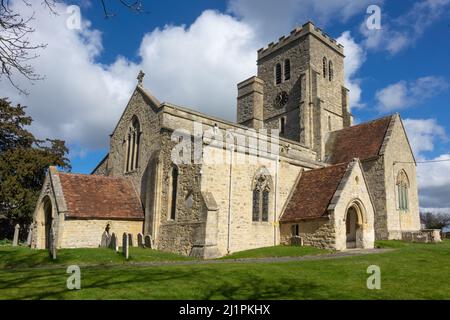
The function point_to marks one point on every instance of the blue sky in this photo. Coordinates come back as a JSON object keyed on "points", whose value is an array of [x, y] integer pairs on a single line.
{"points": [[194, 53]]}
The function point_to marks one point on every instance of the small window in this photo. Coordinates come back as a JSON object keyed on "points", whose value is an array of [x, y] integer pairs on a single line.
{"points": [[282, 125], [324, 66], [278, 73], [329, 123], [132, 149], [174, 186], [295, 230], [287, 69], [330, 70]]}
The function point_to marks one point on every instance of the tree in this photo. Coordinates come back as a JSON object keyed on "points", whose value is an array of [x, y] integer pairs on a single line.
{"points": [[16, 49], [435, 220], [23, 164]]}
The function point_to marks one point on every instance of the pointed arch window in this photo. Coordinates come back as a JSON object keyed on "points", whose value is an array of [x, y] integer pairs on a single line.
{"points": [[132, 149], [287, 69], [278, 73], [324, 67], [330, 70], [262, 194], [173, 193], [402, 191]]}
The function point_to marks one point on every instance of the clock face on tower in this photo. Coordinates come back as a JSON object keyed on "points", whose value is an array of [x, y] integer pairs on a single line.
{"points": [[281, 99]]}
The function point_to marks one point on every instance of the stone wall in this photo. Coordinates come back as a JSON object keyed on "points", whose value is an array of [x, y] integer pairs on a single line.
{"points": [[397, 157], [318, 233], [88, 233], [425, 236], [102, 167], [375, 177], [237, 231]]}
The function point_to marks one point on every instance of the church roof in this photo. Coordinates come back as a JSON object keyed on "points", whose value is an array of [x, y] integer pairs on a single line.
{"points": [[362, 141], [313, 192], [100, 197]]}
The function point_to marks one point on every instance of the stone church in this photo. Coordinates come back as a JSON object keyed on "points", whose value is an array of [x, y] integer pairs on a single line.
{"points": [[330, 184]]}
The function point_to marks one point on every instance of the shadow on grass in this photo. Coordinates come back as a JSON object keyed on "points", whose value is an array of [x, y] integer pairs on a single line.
{"points": [[128, 283]]}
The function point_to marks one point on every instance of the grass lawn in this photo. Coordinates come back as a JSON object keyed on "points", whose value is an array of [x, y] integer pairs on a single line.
{"points": [[278, 251], [412, 271], [24, 257]]}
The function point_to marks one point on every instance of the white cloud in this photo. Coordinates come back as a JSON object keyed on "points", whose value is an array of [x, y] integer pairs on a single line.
{"points": [[405, 94], [274, 18], [80, 100], [200, 65], [354, 58], [433, 177], [402, 32], [422, 134]]}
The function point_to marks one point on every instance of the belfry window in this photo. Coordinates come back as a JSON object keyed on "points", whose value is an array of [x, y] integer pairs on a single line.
{"points": [[287, 69], [402, 191], [324, 66], [278, 73], [282, 126], [132, 146], [262, 191], [330, 70]]}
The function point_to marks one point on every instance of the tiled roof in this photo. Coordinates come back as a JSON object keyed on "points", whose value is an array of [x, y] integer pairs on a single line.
{"points": [[100, 197], [313, 193], [362, 141]]}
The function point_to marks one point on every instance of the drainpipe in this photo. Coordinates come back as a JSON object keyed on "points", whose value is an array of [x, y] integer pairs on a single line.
{"points": [[229, 198], [276, 202]]}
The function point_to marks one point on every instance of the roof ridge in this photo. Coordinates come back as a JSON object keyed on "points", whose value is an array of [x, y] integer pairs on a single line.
{"points": [[367, 122]]}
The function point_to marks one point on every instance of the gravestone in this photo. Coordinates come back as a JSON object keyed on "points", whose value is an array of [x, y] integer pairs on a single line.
{"points": [[140, 240], [52, 249], [130, 239], [114, 244], [148, 241], [30, 234], [106, 238], [125, 245], [16, 236]]}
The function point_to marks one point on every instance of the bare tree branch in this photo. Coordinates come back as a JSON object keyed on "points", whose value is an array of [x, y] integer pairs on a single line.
{"points": [[16, 49]]}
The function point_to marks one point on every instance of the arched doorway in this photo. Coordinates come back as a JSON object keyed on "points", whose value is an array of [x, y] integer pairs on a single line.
{"points": [[48, 223], [351, 227], [354, 226], [44, 223]]}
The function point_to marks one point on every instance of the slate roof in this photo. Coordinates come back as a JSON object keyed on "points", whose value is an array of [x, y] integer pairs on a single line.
{"points": [[362, 141], [313, 193], [100, 197]]}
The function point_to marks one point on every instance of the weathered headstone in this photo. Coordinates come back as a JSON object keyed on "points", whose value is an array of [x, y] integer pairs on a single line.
{"points": [[30, 234], [52, 249], [140, 240], [106, 238], [125, 245], [114, 244], [130, 239], [16, 236], [148, 241]]}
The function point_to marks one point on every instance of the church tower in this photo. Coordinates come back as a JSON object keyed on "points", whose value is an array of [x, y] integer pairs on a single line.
{"points": [[299, 89]]}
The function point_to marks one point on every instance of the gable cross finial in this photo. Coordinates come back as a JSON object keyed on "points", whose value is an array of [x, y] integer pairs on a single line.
{"points": [[140, 77]]}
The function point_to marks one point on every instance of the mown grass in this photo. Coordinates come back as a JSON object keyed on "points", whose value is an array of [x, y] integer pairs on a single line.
{"points": [[411, 271], [24, 257], [277, 251]]}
